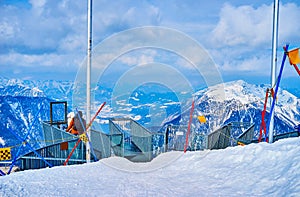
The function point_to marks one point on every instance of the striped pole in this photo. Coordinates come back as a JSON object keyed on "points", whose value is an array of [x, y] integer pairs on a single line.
{"points": [[189, 127]]}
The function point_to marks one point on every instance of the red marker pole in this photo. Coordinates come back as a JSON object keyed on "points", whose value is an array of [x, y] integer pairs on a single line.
{"points": [[189, 127], [297, 69]]}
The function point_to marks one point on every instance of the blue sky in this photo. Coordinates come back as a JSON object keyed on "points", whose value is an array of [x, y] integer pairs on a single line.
{"points": [[42, 39]]}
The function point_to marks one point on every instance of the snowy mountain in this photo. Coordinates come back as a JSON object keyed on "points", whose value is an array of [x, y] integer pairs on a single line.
{"points": [[22, 115], [20, 101], [18, 88], [239, 101], [23, 105], [254, 170], [56, 90]]}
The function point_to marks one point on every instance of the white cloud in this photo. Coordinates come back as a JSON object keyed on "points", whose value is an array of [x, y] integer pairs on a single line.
{"points": [[145, 14], [243, 25], [254, 64], [34, 60], [49, 33], [242, 37], [250, 26], [289, 23], [38, 6], [42, 26], [37, 3], [72, 42], [6, 30], [138, 57]]}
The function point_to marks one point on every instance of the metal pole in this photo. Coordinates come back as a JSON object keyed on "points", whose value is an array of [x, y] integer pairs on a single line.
{"points": [[274, 62], [88, 78]]}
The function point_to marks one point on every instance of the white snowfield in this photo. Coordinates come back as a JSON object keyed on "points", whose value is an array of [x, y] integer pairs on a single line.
{"points": [[254, 170]]}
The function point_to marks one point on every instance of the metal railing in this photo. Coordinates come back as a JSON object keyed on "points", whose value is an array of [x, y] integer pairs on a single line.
{"points": [[129, 139], [55, 154], [219, 139], [101, 144], [133, 141], [53, 134]]}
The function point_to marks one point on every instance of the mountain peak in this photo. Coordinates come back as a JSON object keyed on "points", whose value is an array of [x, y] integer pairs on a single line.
{"points": [[239, 89]]}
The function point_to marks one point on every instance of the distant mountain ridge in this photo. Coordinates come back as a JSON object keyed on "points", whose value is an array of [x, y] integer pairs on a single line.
{"points": [[23, 101], [241, 102], [57, 90], [20, 101]]}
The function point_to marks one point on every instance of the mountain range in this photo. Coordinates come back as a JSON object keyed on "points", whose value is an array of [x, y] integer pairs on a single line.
{"points": [[21, 101], [238, 101]]}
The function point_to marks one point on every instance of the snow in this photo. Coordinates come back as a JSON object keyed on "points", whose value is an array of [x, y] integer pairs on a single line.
{"points": [[36, 92], [134, 98], [254, 170], [243, 98], [2, 142], [137, 118], [246, 93], [287, 106]]}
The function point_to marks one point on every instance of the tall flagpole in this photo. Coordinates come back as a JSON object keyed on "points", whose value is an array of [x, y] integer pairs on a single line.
{"points": [[88, 79], [274, 62]]}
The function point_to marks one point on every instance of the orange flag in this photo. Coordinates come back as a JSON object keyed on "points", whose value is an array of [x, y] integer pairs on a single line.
{"points": [[202, 119], [294, 56]]}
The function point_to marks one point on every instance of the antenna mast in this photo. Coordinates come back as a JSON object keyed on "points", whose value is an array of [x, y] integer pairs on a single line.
{"points": [[274, 62], [88, 79]]}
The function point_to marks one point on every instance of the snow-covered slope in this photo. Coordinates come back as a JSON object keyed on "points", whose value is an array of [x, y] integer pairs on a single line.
{"points": [[22, 115], [254, 170], [20, 102]]}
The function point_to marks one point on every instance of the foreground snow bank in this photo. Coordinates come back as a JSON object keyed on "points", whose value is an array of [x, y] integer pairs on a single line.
{"points": [[253, 170]]}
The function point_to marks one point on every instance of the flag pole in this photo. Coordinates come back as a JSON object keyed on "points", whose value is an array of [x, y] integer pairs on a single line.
{"points": [[274, 62], [88, 79]]}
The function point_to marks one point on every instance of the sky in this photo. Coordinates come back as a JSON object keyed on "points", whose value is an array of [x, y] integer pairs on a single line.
{"points": [[43, 39], [254, 170]]}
